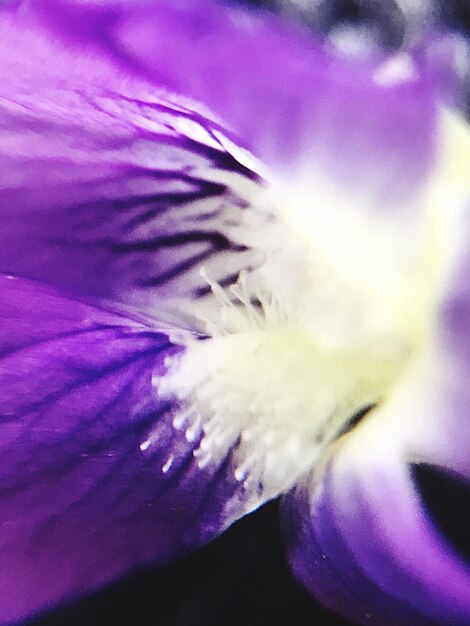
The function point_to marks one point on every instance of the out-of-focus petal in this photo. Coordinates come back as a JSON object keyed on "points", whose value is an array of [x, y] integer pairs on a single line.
{"points": [[361, 540], [273, 85], [445, 56], [95, 477], [368, 534]]}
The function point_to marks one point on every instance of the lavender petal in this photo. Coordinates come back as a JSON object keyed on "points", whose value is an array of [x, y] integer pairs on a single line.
{"points": [[95, 479], [107, 187]]}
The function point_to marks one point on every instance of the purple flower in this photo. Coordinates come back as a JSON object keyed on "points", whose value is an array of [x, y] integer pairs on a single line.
{"points": [[222, 245]]}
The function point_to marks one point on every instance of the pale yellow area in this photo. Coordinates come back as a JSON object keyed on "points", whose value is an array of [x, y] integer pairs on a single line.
{"points": [[347, 299]]}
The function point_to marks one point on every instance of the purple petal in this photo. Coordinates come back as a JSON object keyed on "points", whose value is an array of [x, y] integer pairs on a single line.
{"points": [[284, 94], [281, 93], [107, 188], [361, 541], [111, 187], [95, 478]]}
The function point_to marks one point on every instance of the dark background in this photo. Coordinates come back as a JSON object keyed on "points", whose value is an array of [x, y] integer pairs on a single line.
{"points": [[242, 579]]}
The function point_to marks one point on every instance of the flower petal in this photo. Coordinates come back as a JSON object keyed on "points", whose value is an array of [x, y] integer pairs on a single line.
{"points": [[113, 188], [95, 477], [380, 532], [275, 86], [284, 95], [115, 194], [361, 541]]}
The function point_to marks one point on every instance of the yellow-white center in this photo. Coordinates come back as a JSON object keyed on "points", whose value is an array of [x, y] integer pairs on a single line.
{"points": [[346, 299]]}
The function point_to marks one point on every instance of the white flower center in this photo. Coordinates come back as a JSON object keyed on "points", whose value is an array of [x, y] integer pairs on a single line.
{"points": [[345, 300]]}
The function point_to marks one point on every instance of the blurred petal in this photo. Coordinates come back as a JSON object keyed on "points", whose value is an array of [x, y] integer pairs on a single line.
{"points": [[361, 541], [284, 95], [446, 57], [370, 533], [95, 477], [273, 85]]}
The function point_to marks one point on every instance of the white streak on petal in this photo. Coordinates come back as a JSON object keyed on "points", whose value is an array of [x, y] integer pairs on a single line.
{"points": [[145, 445], [193, 431], [398, 69], [167, 465]]}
